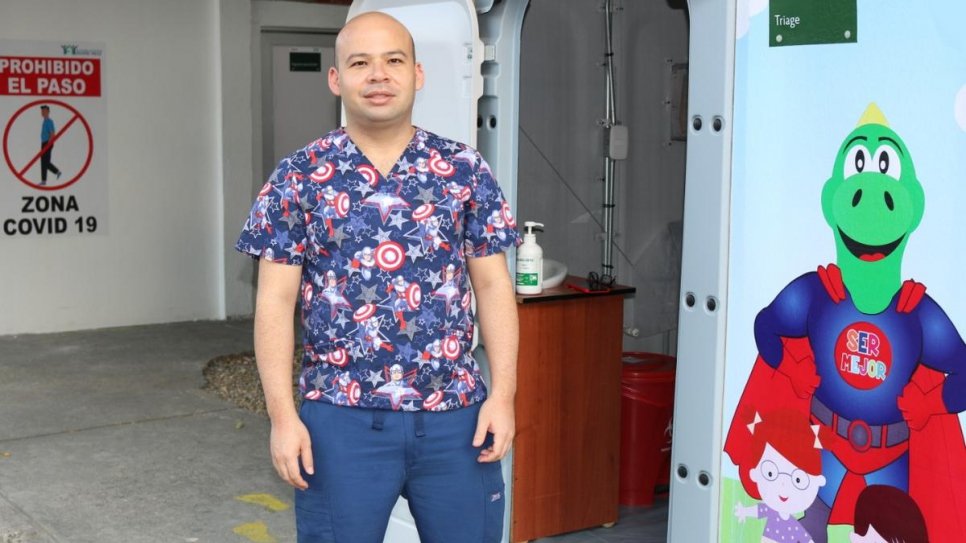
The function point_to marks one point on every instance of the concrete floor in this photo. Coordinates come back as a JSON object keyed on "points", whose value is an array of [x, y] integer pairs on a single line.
{"points": [[106, 436]]}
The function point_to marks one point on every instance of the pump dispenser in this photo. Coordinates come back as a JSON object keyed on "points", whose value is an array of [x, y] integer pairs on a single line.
{"points": [[530, 262]]}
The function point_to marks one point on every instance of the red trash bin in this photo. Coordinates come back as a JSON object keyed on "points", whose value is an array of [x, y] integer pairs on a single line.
{"points": [[647, 404]]}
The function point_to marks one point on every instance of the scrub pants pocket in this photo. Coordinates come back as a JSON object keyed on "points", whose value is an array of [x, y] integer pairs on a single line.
{"points": [[313, 516], [494, 503]]}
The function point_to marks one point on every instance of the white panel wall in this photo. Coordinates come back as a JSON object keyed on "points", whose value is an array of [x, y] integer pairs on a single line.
{"points": [[161, 260]]}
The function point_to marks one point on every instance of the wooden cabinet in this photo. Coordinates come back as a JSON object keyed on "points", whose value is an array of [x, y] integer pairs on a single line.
{"points": [[565, 454]]}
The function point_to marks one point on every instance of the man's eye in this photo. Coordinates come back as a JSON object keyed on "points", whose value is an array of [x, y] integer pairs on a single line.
{"points": [[395, 61], [358, 63]]}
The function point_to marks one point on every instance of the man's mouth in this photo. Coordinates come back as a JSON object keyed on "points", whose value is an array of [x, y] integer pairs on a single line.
{"points": [[783, 498], [869, 253], [378, 96]]}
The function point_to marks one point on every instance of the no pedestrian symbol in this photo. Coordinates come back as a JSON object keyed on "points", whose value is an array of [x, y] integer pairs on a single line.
{"points": [[34, 158]]}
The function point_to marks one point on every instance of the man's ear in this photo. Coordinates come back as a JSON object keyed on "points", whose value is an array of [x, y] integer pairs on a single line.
{"points": [[754, 474], [334, 81], [819, 480], [420, 76]]}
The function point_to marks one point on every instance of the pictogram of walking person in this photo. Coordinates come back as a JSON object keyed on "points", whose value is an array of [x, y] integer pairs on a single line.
{"points": [[47, 133]]}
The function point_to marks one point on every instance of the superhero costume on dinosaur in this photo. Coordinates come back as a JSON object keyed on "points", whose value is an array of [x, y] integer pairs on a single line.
{"points": [[874, 361]]}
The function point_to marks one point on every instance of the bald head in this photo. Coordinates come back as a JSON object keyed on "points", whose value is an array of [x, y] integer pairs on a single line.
{"points": [[371, 21]]}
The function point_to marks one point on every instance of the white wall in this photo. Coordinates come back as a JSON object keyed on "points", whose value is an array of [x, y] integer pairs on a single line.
{"points": [[161, 260], [184, 146]]}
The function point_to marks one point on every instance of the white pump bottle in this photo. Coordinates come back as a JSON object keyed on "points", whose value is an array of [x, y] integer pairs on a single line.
{"points": [[530, 262]]}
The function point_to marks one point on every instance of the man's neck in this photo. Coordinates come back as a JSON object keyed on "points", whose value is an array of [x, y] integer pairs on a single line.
{"points": [[381, 145]]}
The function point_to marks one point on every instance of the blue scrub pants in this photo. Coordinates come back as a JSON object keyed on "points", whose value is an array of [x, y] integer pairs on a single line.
{"points": [[366, 458]]}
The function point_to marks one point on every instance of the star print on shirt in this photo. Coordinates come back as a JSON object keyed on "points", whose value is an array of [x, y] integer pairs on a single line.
{"points": [[385, 203], [368, 294], [375, 378], [425, 195], [381, 236]]}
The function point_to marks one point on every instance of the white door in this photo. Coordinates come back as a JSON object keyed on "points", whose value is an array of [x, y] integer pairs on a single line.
{"points": [[297, 106]]}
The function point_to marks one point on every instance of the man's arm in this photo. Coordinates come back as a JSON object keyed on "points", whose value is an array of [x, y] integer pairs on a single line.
{"points": [[278, 288], [497, 312]]}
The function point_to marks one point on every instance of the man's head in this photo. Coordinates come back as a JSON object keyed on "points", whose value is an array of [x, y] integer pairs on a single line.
{"points": [[376, 73], [44, 111]]}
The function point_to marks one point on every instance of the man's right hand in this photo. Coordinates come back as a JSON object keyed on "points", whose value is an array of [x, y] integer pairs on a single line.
{"points": [[290, 441]]}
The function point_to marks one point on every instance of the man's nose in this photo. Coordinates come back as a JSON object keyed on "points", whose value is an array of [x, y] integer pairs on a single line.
{"points": [[377, 71]]}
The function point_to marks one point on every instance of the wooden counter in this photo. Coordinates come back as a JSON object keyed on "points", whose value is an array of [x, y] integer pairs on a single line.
{"points": [[566, 451]]}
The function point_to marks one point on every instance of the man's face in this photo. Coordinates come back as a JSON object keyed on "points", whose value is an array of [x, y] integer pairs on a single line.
{"points": [[376, 75], [44, 113]]}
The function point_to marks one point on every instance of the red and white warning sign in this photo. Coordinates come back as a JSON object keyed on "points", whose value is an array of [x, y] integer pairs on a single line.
{"points": [[53, 117]]}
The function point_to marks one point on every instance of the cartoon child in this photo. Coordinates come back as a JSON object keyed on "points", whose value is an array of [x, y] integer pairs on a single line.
{"points": [[885, 514], [786, 477]]}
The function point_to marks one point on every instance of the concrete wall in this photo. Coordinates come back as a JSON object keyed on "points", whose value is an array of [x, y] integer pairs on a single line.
{"points": [[161, 260]]}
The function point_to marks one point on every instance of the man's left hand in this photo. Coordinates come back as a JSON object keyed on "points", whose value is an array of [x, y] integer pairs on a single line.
{"points": [[496, 417]]}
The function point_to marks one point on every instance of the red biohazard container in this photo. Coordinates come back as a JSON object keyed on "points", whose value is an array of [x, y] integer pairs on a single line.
{"points": [[647, 403]]}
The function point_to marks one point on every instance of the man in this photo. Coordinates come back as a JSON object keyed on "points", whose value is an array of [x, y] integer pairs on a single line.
{"points": [[403, 426], [47, 132]]}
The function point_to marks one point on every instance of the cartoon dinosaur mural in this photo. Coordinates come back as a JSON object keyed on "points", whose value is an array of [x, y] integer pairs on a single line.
{"points": [[871, 359]]}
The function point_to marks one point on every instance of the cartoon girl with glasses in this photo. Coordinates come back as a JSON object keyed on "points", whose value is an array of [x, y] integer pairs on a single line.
{"points": [[786, 477]]}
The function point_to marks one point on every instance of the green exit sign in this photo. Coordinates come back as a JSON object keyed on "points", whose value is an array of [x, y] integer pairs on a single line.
{"points": [[808, 22]]}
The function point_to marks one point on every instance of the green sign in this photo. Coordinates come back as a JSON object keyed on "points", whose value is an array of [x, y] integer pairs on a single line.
{"points": [[808, 22], [304, 62]]}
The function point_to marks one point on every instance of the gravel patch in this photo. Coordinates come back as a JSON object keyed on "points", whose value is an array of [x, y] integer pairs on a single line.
{"points": [[234, 377]]}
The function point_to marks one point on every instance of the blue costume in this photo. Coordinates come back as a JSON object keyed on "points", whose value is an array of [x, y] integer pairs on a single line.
{"points": [[864, 362]]}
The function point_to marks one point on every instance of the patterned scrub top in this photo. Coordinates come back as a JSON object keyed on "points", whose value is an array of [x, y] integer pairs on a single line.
{"points": [[385, 295]]}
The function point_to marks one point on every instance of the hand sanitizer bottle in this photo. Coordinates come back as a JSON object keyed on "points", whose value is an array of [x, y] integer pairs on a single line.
{"points": [[530, 262]]}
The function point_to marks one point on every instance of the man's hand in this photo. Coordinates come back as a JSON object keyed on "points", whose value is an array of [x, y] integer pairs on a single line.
{"points": [[289, 441], [496, 417]]}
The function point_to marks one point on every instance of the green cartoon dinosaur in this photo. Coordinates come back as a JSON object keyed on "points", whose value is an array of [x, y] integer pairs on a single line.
{"points": [[873, 202]]}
